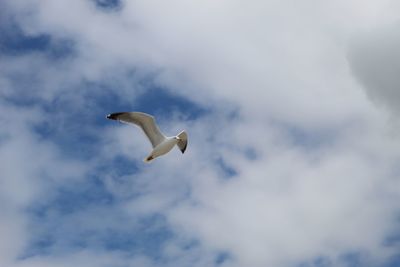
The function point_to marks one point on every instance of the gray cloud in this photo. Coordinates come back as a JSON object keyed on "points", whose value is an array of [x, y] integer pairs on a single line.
{"points": [[375, 61]]}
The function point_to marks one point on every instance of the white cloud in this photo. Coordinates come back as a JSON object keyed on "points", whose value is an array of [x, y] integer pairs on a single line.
{"points": [[30, 168], [283, 65]]}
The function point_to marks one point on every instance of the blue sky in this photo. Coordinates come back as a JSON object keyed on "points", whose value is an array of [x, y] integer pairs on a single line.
{"points": [[293, 146]]}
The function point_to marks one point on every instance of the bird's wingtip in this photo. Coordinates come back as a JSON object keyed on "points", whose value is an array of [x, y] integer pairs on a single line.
{"points": [[148, 159], [114, 116]]}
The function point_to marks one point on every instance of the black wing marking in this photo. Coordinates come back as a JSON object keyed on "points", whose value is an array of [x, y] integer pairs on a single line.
{"points": [[145, 121]]}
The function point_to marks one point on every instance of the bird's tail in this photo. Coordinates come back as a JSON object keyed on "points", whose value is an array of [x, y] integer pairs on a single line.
{"points": [[182, 144]]}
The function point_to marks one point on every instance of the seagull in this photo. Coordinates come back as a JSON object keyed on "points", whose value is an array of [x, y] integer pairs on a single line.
{"points": [[161, 143]]}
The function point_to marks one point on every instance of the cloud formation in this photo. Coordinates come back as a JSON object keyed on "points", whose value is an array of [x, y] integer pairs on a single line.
{"points": [[374, 58], [289, 163]]}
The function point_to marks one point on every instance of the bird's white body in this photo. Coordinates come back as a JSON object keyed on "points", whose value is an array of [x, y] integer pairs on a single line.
{"points": [[161, 144], [162, 148]]}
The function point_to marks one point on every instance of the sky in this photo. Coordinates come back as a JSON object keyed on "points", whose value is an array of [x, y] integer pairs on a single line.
{"points": [[292, 111]]}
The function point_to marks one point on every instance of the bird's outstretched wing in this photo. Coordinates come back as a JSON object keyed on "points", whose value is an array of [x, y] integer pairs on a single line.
{"points": [[144, 121], [182, 144]]}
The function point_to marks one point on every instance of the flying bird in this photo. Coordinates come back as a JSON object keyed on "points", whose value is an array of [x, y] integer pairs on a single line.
{"points": [[161, 143]]}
